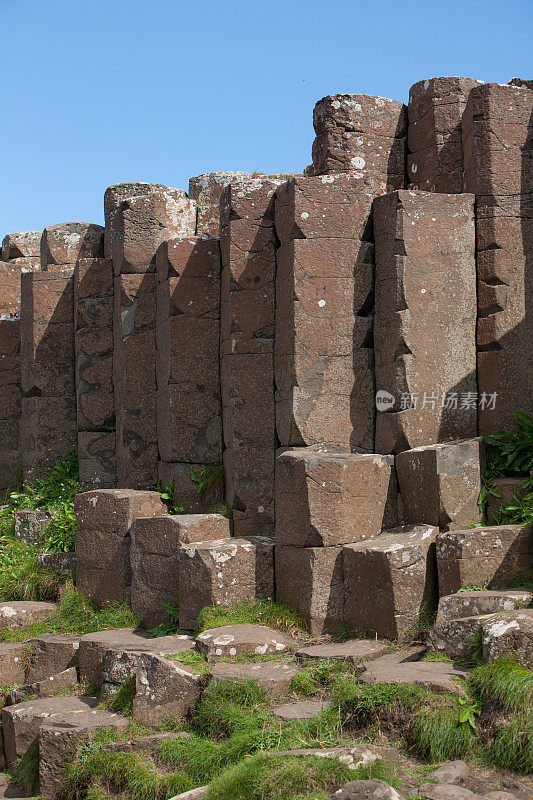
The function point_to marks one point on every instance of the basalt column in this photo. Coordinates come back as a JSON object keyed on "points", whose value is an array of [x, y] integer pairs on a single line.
{"points": [[189, 413], [93, 315], [206, 190], [498, 155], [248, 245], [48, 424], [424, 330], [138, 226]]}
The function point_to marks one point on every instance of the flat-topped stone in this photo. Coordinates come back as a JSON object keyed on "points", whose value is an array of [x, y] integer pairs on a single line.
{"points": [[22, 244], [93, 647], [274, 677], [486, 601], [52, 653], [64, 243], [456, 637], [509, 633], [437, 675], [303, 709], [21, 722], [366, 790], [19, 613], [241, 640], [120, 662], [355, 650], [165, 689], [13, 657], [47, 687]]}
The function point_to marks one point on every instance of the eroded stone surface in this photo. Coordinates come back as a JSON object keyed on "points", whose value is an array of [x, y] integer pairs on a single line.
{"points": [[355, 650], [63, 244], [23, 244], [389, 580], [120, 662], [93, 647], [18, 613], [165, 689], [51, 654], [50, 686], [302, 709], [275, 678], [509, 633], [241, 640], [474, 603], [366, 790], [223, 572], [438, 675], [30, 523], [456, 637], [13, 658]]}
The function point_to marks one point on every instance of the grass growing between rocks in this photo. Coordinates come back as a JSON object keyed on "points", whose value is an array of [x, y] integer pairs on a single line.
{"points": [[258, 612], [19, 577], [76, 615]]}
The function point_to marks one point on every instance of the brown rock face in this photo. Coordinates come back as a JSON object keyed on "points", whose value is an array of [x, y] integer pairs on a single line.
{"points": [[206, 190], [310, 580], [248, 245], [18, 613], [59, 738], [134, 380], [434, 136], [223, 572], [12, 663], [440, 484], [364, 135], [424, 328], [10, 403], [52, 654], [41, 420], [105, 517], [324, 363], [23, 244], [155, 542], [497, 127], [93, 316], [10, 273], [480, 556], [330, 499], [63, 244], [390, 580], [141, 223], [165, 690], [93, 647], [189, 418], [242, 640], [113, 197], [509, 633]]}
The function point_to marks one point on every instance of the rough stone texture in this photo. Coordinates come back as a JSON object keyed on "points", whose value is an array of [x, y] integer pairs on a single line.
{"points": [[455, 637], [440, 484], [206, 189], [47, 370], [310, 580], [62, 563], [192, 794], [23, 244], [105, 518], [424, 328], [324, 363], [508, 490], [30, 524], [189, 413], [275, 678], [475, 603], [63, 244], [330, 499], [21, 722], [351, 757], [248, 244], [389, 580], [141, 223], [437, 675], [489, 556], [120, 662], [93, 319], [93, 647], [13, 657], [185, 489], [434, 135], [443, 792], [299, 710], [223, 572], [10, 273], [155, 543], [47, 687], [243, 640], [509, 633], [355, 650], [10, 404], [134, 380], [113, 198], [52, 654], [364, 135], [16, 614], [451, 773], [366, 790], [497, 129], [59, 738], [165, 690]]}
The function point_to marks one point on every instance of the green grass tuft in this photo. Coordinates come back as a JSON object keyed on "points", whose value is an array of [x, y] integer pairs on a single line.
{"points": [[504, 681], [512, 747], [257, 612], [230, 706], [26, 771], [123, 699], [436, 734]]}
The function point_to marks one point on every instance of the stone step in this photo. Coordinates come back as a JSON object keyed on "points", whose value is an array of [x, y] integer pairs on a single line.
{"points": [[439, 676], [476, 603], [355, 650], [17, 614], [243, 640]]}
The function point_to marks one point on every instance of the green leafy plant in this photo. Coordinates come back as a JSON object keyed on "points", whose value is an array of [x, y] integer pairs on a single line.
{"points": [[172, 625], [167, 497], [211, 487], [470, 709]]}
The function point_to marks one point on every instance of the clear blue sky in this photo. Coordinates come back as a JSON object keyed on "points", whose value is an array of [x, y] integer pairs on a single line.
{"points": [[101, 91]]}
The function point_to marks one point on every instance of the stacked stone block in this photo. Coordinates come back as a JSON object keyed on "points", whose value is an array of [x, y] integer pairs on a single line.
{"points": [[63, 244], [48, 421], [189, 413], [497, 134], [324, 501], [324, 360], [248, 246], [105, 518], [93, 316], [139, 225], [424, 327], [434, 137], [10, 403], [206, 190], [20, 253], [364, 135]]}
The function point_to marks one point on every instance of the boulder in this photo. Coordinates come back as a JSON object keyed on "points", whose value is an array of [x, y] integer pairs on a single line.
{"points": [[510, 633], [456, 638], [302, 709], [19, 613], [274, 677], [120, 663], [51, 654], [47, 687], [93, 647], [64, 243], [165, 689], [475, 603], [243, 640], [30, 524], [366, 790], [13, 659], [355, 650]]}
